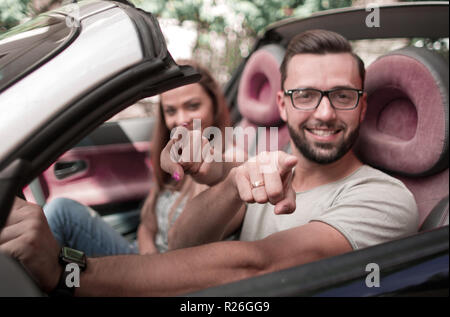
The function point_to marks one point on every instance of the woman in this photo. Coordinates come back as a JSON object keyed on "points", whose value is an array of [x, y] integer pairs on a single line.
{"points": [[178, 107], [80, 227]]}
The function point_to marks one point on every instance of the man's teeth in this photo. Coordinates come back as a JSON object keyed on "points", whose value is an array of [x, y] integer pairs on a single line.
{"points": [[324, 132]]}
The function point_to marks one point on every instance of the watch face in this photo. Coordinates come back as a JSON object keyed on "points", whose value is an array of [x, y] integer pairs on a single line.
{"points": [[73, 254]]}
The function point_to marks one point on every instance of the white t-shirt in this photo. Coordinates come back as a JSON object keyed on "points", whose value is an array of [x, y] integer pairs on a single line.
{"points": [[367, 207]]}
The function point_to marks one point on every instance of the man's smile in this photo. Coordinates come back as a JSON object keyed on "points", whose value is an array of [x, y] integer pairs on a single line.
{"points": [[324, 134]]}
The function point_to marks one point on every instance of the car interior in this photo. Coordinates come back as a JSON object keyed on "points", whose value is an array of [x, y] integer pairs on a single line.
{"points": [[405, 133], [410, 118]]}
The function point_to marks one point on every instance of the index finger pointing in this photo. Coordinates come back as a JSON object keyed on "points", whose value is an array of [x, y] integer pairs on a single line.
{"points": [[168, 160], [285, 162]]}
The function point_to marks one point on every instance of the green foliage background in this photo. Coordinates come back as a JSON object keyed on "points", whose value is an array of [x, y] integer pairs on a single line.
{"points": [[237, 34], [258, 13], [12, 12], [255, 15], [236, 27]]}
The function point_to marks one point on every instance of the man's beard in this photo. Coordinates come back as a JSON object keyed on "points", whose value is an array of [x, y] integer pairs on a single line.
{"points": [[311, 151]]}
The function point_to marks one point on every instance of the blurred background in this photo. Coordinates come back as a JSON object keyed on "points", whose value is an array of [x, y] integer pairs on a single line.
{"points": [[217, 33]]}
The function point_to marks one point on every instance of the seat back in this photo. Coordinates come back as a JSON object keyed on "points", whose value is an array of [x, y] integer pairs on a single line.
{"points": [[258, 87], [405, 131]]}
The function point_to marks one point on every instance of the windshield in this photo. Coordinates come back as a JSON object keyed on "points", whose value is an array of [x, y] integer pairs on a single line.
{"points": [[31, 44]]}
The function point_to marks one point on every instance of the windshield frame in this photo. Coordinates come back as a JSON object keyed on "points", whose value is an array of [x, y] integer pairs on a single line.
{"points": [[42, 46]]}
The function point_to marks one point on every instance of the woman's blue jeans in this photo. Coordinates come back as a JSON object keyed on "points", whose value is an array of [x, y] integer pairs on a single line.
{"points": [[79, 227]]}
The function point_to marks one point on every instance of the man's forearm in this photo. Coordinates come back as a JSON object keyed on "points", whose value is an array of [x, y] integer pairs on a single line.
{"points": [[206, 216], [171, 273]]}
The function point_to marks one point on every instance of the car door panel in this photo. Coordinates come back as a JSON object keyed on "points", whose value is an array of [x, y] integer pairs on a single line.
{"points": [[111, 166]]}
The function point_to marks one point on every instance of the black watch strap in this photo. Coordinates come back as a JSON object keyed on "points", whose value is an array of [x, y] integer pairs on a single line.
{"points": [[62, 290]]}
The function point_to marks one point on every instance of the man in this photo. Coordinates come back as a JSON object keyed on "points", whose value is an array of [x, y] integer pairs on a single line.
{"points": [[340, 204]]}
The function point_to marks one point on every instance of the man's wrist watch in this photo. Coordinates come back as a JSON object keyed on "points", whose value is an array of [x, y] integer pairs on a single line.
{"points": [[72, 262]]}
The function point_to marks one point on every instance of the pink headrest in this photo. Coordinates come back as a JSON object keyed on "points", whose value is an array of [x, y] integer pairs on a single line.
{"points": [[405, 130], [259, 84]]}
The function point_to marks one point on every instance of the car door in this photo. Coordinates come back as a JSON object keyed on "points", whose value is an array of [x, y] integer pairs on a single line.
{"points": [[108, 170], [53, 141]]}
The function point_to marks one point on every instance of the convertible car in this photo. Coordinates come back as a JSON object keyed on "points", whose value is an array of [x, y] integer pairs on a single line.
{"points": [[63, 75]]}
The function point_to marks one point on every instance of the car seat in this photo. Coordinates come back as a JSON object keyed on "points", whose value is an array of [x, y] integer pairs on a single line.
{"points": [[258, 87], [405, 131]]}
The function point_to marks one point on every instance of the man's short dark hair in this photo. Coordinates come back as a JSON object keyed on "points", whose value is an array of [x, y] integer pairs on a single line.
{"points": [[319, 42]]}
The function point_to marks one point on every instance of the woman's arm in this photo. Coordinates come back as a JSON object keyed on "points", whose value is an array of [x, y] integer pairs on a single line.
{"points": [[148, 227]]}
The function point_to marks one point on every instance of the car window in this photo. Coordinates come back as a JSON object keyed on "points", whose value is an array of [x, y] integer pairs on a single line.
{"points": [[144, 108], [42, 36]]}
